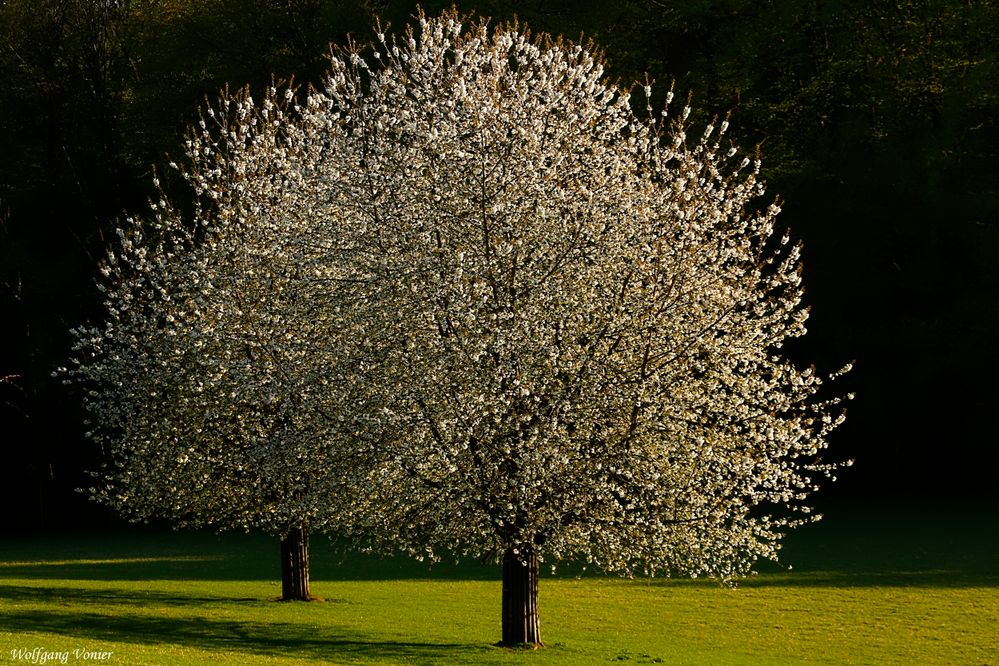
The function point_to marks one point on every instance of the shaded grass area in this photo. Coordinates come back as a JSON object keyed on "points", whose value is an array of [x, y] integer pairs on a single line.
{"points": [[868, 586]]}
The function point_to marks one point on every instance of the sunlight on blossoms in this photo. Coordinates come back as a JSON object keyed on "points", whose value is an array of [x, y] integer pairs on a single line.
{"points": [[463, 299]]}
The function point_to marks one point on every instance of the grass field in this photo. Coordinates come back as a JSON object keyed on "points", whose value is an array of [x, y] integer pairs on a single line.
{"points": [[868, 586]]}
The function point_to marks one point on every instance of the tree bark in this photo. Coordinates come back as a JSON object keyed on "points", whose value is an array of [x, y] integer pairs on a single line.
{"points": [[520, 600], [295, 565]]}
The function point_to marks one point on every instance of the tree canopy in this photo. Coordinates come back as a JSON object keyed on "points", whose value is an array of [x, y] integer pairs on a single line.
{"points": [[877, 121], [465, 298]]}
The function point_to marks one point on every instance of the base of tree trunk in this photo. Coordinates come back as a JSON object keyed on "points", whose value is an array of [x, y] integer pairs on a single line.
{"points": [[295, 566], [520, 601]]}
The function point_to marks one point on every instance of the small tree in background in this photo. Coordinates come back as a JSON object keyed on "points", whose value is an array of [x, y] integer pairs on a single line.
{"points": [[580, 317], [207, 404]]}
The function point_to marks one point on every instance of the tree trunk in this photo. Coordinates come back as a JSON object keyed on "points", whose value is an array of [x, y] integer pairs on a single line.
{"points": [[295, 565], [520, 600]]}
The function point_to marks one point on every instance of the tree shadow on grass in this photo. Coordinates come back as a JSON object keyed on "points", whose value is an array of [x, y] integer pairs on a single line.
{"points": [[896, 547], [271, 639], [206, 556], [935, 579], [146, 568], [116, 596], [929, 578]]}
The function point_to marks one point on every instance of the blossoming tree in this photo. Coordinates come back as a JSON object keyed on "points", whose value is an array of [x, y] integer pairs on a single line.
{"points": [[200, 389], [579, 315], [465, 300]]}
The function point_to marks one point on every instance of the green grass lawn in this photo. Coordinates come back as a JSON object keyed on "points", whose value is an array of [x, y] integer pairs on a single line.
{"points": [[867, 587]]}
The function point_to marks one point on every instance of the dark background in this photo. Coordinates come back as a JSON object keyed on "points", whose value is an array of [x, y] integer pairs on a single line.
{"points": [[876, 120]]}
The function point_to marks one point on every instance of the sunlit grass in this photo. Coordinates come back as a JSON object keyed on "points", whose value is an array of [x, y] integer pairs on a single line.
{"points": [[897, 587]]}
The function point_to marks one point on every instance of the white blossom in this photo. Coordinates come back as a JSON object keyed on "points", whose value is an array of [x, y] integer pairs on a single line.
{"points": [[576, 318], [463, 300]]}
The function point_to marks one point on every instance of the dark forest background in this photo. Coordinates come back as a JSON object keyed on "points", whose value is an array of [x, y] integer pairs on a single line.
{"points": [[876, 120]]}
